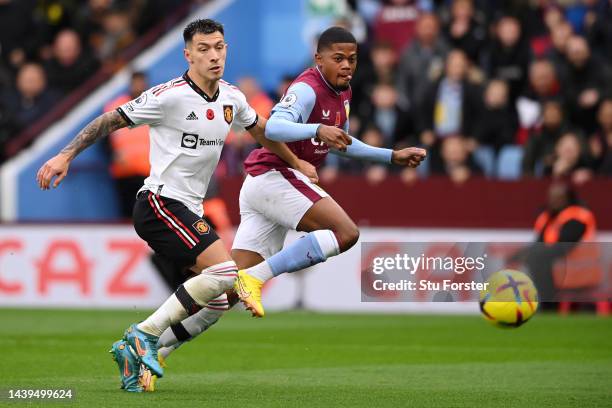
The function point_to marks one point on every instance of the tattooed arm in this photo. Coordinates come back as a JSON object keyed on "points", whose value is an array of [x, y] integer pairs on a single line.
{"points": [[95, 130]]}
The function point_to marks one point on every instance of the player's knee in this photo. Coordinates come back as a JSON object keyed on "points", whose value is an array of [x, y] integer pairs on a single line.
{"points": [[347, 237], [220, 277], [225, 283]]}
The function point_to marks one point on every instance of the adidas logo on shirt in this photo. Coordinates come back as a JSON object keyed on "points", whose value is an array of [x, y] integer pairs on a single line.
{"points": [[192, 116]]}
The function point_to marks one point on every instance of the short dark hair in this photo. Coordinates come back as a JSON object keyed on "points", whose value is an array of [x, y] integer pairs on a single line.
{"points": [[335, 35], [202, 26]]}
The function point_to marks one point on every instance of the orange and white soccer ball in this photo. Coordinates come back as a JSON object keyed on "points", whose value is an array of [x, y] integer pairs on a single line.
{"points": [[510, 299]]}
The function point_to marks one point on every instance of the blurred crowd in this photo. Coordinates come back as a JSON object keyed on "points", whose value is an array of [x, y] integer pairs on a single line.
{"points": [[496, 88], [49, 48], [502, 89]]}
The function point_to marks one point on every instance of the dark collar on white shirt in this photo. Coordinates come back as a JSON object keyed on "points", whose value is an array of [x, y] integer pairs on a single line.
{"points": [[199, 90]]}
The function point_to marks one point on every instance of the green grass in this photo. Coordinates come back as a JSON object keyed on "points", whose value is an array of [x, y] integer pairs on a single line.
{"points": [[322, 360]]}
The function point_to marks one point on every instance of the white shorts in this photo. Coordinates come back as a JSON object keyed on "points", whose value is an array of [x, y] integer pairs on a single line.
{"points": [[270, 205]]}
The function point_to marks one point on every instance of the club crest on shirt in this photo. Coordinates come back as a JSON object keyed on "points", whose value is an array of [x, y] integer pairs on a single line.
{"points": [[201, 227], [228, 113]]}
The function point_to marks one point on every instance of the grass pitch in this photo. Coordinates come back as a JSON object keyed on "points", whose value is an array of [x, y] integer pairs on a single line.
{"points": [[321, 360]]}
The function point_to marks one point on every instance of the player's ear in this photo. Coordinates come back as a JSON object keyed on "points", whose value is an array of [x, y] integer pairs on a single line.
{"points": [[318, 60], [187, 55]]}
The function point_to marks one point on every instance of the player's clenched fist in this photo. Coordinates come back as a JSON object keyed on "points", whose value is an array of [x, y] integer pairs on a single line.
{"points": [[334, 137], [410, 156], [55, 167]]}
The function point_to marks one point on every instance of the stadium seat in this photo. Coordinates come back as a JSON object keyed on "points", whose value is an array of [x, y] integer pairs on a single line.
{"points": [[509, 163], [484, 156]]}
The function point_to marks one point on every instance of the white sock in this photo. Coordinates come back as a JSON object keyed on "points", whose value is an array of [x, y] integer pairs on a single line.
{"points": [[190, 297], [169, 313], [328, 242], [261, 271]]}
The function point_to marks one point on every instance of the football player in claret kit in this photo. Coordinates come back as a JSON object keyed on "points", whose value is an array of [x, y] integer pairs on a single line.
{"points": [[189, 119], [312, 118]]}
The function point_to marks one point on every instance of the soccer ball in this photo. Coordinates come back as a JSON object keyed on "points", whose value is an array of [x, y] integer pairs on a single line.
{"points": [[510, 298]]}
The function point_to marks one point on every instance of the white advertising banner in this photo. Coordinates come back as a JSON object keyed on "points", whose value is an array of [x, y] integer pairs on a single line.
{"points": [[76, 266], [95, 266]]}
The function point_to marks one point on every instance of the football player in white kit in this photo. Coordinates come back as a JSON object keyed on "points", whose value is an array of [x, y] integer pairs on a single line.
{"points": [[189, 119]]}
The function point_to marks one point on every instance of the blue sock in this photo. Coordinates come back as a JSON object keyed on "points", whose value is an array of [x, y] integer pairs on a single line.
{"points": [[300, 254]]}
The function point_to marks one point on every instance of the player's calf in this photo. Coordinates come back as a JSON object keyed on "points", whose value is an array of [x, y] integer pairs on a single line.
{"points": [[194, 325], [346, 235]]}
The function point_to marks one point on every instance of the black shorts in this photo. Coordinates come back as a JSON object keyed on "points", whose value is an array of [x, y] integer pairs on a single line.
{"points": [[171, 229]]}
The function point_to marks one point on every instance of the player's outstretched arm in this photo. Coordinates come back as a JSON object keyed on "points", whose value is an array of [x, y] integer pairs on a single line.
{"points": [[282, 151], [58, 165], [411, 156], [282, 128]]}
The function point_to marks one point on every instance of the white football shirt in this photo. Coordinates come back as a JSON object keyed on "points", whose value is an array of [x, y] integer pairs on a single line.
{"points": [[187, 132]]}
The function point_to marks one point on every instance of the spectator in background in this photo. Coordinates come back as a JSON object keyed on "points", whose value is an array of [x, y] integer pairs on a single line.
{"points": [[384, 114], [587, 81], [451, 105], [464, 31], [538, 23], [51, 17], [129, 150], [543, 86], [421, 62], [601, 141], [456, 161], [565, 220], [543, 82], [118, 34], [90, 19], [571, 159], [20, 37], [498, 122], [70, 65], [577, 13], [540, 147], [508, 56], [395, 23], [380, 69], [31, 98], [552, 13], [560, 34]]}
